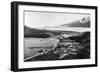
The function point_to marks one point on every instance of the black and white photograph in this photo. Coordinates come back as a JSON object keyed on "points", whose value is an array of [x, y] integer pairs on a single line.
{"points": [[52, 36], [56, 36]]}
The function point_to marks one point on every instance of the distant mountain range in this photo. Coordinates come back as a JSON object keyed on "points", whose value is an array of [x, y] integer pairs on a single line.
{"points": [[84, 22]]}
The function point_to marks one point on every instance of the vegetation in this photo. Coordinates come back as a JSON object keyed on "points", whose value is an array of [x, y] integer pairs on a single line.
{"points": [[77, 48]]}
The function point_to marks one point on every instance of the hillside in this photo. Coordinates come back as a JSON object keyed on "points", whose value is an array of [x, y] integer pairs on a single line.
{"points": [[84, 22], [42, 33]]}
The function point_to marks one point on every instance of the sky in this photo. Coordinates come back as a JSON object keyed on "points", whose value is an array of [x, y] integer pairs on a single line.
{"points": [[50, 19]]}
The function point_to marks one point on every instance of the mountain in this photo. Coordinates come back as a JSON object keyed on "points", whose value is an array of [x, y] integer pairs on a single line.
{"points": [[84, 22], [42, 33], [31, 32]]}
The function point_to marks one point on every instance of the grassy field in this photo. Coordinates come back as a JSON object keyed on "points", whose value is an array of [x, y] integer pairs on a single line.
{"points": [[33, 45]]}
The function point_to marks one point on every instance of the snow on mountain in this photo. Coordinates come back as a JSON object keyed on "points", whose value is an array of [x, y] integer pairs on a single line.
{"points": [[85, 20]]}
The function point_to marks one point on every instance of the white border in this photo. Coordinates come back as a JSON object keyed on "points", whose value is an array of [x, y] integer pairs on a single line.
{"points": [[22, 64]]}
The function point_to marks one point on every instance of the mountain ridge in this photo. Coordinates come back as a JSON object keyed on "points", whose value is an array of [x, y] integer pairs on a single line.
{"points": [[84, 23]]}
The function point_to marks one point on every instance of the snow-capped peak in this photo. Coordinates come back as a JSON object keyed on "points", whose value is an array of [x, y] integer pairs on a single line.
{"points": [[85, 20]]}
